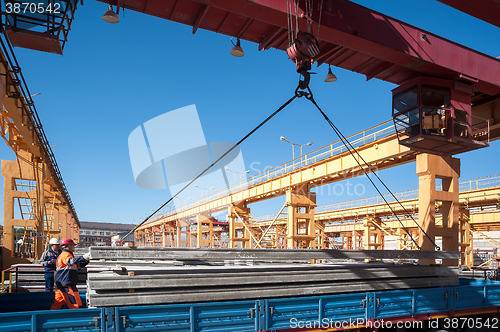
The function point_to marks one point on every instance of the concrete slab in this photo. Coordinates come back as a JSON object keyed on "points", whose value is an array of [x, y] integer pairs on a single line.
{"points": [[219, 254]]}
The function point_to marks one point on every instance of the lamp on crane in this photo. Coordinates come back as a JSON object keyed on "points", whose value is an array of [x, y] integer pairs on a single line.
{"points": [[110, 16], [237, 50], [330, 77]]}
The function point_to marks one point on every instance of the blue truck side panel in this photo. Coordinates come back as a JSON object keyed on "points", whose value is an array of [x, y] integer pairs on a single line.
{"points": [[203, 317], [476, 294], [410, 302], [47, 321], [257, 315]]}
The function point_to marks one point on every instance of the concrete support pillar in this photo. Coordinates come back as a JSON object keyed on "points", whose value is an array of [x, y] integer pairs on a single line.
{"points": [[301, 228], [239, 235], [447, 169], [466, 240]]}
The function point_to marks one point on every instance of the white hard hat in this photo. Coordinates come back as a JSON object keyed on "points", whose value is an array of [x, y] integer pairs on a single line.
{"points": [[54, 241]]}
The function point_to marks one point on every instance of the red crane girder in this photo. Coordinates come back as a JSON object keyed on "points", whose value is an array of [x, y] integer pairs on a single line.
{"points": [[351, 36], [485, 10]]}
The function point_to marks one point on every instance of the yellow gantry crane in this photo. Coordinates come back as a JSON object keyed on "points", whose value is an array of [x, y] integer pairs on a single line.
{"points": [[37, 205]]}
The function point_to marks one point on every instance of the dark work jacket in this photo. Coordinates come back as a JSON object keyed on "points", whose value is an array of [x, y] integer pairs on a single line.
{"points": [[67, 269], [46, 260]]}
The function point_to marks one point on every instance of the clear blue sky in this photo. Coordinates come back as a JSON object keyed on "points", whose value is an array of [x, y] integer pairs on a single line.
{"points": [[113, 78]]}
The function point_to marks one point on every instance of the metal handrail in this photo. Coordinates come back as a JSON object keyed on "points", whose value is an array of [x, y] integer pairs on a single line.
{"points": [[9, 270], [15, 269]]}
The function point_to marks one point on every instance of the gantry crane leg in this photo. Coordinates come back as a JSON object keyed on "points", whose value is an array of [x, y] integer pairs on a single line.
{"points": [[429, 168], [301, 228], [238, 231]]}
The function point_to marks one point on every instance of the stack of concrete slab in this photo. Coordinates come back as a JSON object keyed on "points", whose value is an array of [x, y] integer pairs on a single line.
{"points": [[151, 280]]}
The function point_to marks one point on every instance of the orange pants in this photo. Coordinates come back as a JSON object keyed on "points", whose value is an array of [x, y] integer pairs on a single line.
{"points": [[67, 295]]}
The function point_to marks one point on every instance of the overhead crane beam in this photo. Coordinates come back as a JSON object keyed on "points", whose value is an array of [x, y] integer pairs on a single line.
{"points": [[351, 36]]}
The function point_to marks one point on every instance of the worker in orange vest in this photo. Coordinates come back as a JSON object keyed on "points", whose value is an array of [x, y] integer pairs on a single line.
{"points": [[67, 276]]}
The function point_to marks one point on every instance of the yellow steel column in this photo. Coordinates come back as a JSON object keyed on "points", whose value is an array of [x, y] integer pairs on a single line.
{"points": [[348, 242], [204, 232], [466, 240], [183, 229], [63, 223], [320, 241], [163, 236], [301, 228], [171, 230], [237, 227], [429, 168], [372, 234], [22, 170], [39, 206], [401, 243]]}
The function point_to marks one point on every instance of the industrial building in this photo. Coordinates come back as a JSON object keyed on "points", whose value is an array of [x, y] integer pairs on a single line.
{"points": [[100, 233]]}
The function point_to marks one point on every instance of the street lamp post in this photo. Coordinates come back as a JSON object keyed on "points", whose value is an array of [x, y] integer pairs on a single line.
{"points": [[203, 190], [183, 199], [282, 138], [234, 173]]}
